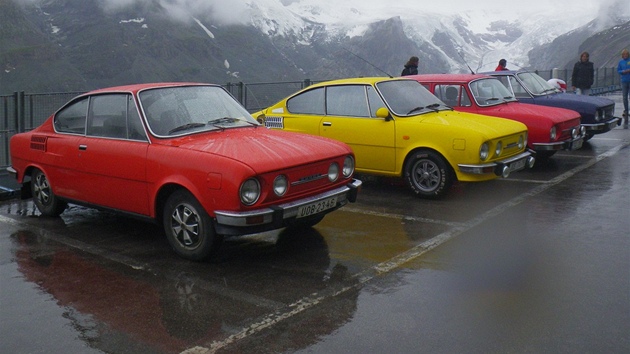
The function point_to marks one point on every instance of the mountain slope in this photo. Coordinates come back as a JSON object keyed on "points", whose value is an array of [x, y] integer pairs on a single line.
{"points": [[77, 45]]}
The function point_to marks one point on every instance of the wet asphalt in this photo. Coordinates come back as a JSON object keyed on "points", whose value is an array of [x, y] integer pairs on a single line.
{"points": [[538, 262]]}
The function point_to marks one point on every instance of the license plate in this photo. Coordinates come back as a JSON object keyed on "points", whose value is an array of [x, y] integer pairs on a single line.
{"points": [[576, 144], [317, 207], [518, 165]]}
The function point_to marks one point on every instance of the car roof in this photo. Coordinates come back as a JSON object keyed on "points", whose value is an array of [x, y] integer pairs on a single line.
{"points": [[461, 78], [359, 80], [139, 87]]}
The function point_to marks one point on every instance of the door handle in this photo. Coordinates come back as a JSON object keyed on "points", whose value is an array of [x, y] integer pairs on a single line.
{"points": [[327, 124], [82, 147]]}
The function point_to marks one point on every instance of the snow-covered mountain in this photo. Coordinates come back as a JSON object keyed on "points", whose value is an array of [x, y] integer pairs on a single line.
{"points": [[83, 44]]}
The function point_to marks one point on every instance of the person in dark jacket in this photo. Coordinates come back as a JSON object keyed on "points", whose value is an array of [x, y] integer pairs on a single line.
{"points": [[411, 68], [583, 75], [502, 65]]}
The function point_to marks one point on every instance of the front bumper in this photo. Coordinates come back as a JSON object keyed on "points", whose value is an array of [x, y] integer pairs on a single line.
{"points": [[570, 145], [501, 168], [232, 223], [598, 128]]}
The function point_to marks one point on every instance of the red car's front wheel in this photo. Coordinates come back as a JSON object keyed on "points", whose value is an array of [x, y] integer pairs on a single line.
{"points": [[189, 228]]}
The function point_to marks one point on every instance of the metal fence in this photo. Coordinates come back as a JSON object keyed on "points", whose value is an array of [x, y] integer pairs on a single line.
{"points": [[20, 112]]}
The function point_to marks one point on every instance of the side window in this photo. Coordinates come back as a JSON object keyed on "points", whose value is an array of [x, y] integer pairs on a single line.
{"points": [[518, 89], [449, 94], [309, 102], [136, 130], [71, 119], [465, 100], [108, 116], [374, 100], [350, 100]]}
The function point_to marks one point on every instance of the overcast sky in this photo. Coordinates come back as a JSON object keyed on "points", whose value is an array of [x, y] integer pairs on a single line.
{"points": [[233, 9]]}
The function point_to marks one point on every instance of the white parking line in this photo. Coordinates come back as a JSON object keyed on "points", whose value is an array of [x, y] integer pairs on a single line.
{"points": [[393, 263]]}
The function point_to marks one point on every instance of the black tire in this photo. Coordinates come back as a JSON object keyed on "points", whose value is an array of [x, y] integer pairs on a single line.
{"points": [[428, 174], [45, 200], [188, 227], [544, 155]]}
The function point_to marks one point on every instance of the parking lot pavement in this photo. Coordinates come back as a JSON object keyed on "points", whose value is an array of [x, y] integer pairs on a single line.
{"points": [[535, 262]]}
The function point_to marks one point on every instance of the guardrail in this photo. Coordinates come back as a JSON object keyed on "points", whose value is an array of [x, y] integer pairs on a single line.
{"points": [[22, 111]]}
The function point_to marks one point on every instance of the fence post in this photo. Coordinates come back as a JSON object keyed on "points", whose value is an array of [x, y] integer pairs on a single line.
{"points": [[306, 83]]}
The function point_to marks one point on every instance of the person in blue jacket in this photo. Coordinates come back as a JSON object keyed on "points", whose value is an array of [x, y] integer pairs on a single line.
{"points": [[623, 68]]}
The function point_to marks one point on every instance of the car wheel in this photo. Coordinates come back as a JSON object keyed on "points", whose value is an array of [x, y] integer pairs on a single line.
{"points": [[43, 197], [188, 227], [428, 174], [544, 155]]}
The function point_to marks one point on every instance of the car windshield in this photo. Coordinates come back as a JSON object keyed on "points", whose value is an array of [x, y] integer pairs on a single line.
{"points": [[173, 111], [409, 97], [535, 84], [489, 92]]}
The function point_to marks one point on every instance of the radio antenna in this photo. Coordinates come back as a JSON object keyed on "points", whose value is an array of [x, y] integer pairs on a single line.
{"points": [[372, 65], [464, 60]]}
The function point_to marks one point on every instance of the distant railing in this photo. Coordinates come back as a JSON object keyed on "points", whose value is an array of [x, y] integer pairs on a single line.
{"points": [[20, 112]]}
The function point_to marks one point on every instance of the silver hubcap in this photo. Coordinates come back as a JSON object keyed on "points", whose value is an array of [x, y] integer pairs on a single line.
{"points": [[41, 189], [426, 175], [185, 226]]}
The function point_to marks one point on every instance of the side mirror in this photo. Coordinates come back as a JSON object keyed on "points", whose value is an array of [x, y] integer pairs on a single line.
{"points": [[384, 113]]}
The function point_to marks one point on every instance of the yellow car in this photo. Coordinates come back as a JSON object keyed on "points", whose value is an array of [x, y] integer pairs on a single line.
{"points": [[396, 127]]}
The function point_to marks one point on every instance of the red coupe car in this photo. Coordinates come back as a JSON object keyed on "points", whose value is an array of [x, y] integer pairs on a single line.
{"points": [[186, 155], [550, 128]]}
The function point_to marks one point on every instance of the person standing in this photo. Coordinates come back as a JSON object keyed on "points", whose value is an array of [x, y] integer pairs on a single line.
{"points": [[623, 68], [502, 65], [583, 75], [411, 68]]}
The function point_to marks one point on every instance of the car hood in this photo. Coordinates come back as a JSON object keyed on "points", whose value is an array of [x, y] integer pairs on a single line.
{"points": [[263, 149], [491, 127], [573, 100], [524, 112]]}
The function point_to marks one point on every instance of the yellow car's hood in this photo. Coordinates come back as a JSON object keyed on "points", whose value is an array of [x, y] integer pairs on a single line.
{"points": [[490, 127]]}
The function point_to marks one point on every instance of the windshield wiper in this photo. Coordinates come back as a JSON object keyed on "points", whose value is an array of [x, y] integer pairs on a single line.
{"points": [[185, 127], [415, 109], [223, 120], [434, 107]]}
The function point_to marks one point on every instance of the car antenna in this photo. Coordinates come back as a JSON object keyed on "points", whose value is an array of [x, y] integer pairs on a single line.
{"points": [[464, 60], [372, 65]]}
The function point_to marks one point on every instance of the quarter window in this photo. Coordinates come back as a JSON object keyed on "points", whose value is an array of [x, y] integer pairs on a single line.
{"points": [[71, 119], [309, 102]]}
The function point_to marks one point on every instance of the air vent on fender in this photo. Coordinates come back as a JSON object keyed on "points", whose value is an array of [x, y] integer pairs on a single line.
{"points": [[38, 143]]}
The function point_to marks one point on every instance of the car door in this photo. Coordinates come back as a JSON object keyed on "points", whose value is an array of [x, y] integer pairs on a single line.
{"points": [[113, 155], [351, 118]]}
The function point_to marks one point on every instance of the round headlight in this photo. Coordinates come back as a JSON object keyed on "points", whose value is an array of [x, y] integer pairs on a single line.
{"points": [[280, 185], [582, 130], [498, 149], [250, 191], [552, 133], [575, 132], [348, 166], [333, 172], [521, 142], [483, 151]]}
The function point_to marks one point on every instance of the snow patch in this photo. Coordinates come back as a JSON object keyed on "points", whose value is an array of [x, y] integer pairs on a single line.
{"points": [[210, 34]]}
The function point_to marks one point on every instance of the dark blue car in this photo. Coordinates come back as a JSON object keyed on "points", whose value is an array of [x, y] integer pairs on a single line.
{"points": [[597, 113]]}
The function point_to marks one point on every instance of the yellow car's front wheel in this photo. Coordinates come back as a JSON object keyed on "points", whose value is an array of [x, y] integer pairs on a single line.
{"points": [[428, 174]]}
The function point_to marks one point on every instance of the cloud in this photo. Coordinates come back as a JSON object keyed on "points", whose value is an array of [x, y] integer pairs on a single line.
{"points": [[218, 11]]}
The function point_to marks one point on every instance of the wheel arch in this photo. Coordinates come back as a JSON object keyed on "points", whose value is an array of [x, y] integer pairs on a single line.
{"points": [[420, 149]]}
